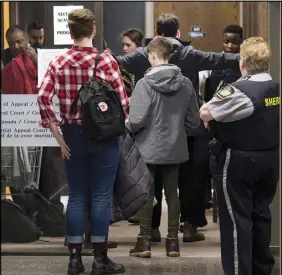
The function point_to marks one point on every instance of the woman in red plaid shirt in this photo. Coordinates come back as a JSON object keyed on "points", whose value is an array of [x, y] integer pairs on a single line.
{"points": [[91, 167]]}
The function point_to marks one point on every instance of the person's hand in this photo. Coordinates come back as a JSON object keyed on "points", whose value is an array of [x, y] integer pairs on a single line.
{"points": [[32, 54], [108, 51], [65, 150]]}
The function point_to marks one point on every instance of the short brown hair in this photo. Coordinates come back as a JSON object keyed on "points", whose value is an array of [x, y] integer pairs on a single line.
{"points": [[161, 46], [167, 25], [81, 23], [255, 53]]}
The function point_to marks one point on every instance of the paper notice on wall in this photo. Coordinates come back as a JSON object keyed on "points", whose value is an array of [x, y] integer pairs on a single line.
{"points": [[44, 57], [61, 29], [20, 120]]}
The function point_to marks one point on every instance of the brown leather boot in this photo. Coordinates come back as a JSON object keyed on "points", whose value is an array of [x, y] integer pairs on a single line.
{"points": [[172, 247], [75, 264], [142, 248], [190, 233], [102, 263]]}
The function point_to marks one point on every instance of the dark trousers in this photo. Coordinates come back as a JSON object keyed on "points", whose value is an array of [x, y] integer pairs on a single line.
{"points": [[245, 184], [192, 183], [169, 174], [92, 170], [157, 211]]}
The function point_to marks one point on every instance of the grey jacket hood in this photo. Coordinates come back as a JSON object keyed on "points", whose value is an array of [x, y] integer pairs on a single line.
{"points": [[165, 78]]}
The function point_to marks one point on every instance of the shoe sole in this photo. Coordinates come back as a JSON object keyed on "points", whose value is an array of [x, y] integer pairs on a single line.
{"points": [[173, 254], [191, 240], [145, 254], [101, 272], [76, 271]]}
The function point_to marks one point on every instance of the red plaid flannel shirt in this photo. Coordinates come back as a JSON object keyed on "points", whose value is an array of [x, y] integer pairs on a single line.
{"points": [[67, 73]]}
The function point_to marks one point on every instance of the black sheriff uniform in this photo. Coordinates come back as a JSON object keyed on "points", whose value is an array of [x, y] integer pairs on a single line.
{"points": [[246, 171], [217, 79]]}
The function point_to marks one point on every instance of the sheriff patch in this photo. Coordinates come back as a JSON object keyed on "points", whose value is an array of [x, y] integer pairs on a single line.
{"points": [[224, 92]]}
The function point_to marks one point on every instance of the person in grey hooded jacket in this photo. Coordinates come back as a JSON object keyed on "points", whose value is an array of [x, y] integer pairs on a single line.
{"points": [[163, 111], [190, 61]]}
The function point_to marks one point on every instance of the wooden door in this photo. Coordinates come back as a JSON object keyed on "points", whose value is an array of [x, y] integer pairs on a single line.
{"points": [[211, 16]]}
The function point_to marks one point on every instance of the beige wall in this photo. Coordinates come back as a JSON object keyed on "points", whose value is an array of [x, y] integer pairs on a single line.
{"points": [[255, 19]]}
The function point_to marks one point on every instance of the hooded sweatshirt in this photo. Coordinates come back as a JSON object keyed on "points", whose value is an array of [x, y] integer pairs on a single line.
{"points": [[163, 111]]}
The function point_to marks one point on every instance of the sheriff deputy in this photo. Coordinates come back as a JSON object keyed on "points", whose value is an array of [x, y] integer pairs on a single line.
{"points": [[245, 161]]}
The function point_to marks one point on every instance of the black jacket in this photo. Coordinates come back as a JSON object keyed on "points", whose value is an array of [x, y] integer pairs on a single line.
{"points": [[133, 182], [189, 60]]}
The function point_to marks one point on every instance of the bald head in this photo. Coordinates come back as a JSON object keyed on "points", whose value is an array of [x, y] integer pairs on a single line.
{"points": [[17, 40]]}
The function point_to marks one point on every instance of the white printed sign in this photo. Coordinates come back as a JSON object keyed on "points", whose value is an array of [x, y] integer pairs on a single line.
{"points": [[20, 120], [20, 115], [61, 29], [44, 57]]}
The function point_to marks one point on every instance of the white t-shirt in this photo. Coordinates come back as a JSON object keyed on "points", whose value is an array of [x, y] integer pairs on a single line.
{"points": [[203, 76]]}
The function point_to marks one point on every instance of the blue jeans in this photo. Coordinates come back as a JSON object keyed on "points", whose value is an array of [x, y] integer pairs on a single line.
{"points": [[92, 170]]}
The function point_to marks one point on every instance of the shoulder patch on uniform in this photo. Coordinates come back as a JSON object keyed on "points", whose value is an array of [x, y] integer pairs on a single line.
{"points": [[245, 77], [224, 92]]}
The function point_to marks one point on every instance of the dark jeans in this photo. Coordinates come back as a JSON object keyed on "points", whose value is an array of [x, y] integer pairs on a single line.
{"points": [[169, 174], [193, 176], [245, 184], [91, 170]]}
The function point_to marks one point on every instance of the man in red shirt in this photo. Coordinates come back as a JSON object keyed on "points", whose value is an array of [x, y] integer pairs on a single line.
{"points": [[19, 75], [90, 166]]}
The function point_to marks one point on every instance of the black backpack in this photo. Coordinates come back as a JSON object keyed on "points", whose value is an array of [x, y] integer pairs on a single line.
{"points": [[102, 115], [41, 211], [16, 226]]}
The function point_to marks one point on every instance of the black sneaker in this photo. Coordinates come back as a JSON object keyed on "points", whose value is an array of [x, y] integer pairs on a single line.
{"points": [[102, 264]]}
